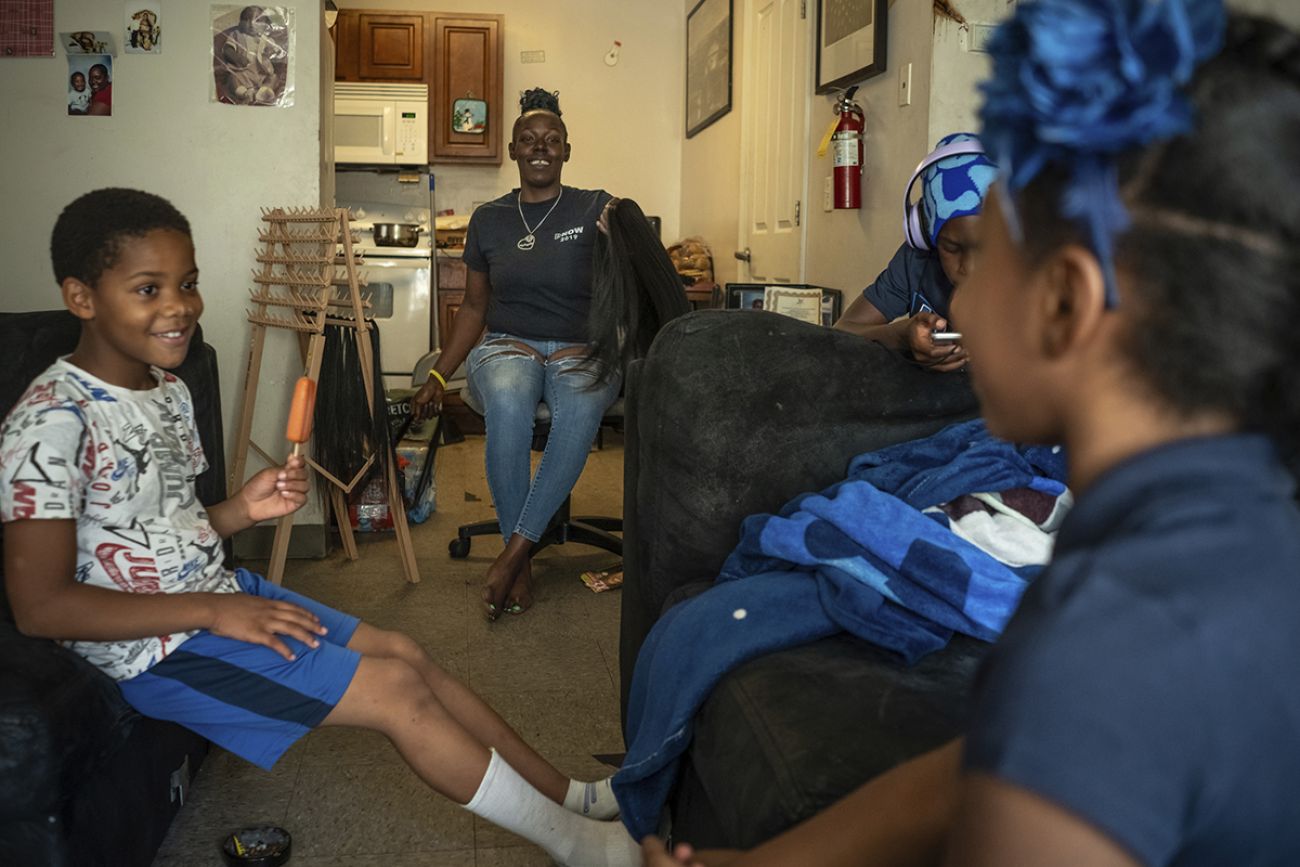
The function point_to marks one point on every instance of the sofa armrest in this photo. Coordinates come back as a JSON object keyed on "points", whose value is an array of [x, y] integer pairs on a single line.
{"points": [[59, 716], [732, 413]]}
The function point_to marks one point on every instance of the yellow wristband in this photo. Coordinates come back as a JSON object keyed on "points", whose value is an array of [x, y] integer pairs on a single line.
{"points": [[438, 376]]}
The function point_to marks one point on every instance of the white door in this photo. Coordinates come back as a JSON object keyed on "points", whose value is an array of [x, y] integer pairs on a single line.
{"points": [[774, 140]]}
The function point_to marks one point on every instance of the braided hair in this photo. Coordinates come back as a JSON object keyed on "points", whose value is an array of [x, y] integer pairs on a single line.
{"points": [[1211, 251], [540, 99]]}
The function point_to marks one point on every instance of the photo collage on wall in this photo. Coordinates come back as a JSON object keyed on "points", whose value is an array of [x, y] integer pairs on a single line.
{"points": [[252, 52], [90, 72]]}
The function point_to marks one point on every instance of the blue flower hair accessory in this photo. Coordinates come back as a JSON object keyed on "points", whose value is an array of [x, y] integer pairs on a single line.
{"points": [[1075, 83]]}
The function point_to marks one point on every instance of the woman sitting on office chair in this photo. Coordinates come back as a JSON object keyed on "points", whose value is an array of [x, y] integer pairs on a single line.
{"points": [[529, 279]]}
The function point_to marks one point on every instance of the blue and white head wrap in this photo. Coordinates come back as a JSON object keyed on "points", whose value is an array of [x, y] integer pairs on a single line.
{"points": [[954, 186], [1077, 83]]}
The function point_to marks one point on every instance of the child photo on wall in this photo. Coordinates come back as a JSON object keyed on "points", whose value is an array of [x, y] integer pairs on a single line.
{"points": [[144, 27]]}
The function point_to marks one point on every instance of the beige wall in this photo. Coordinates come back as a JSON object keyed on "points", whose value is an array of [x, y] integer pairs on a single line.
{"points": [[217, 163], [711, 169], [847, 249], [624, 121]]}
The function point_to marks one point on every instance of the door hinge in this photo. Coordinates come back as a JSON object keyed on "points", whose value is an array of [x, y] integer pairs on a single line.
{"points": [[798, 209], [803, 10]]}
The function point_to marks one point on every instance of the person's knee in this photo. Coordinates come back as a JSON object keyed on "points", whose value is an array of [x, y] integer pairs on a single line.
{"points": [[401, 691], [399, 645]]}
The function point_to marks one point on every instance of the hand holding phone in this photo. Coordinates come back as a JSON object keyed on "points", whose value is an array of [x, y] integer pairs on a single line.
{"points": [[942, 338]]}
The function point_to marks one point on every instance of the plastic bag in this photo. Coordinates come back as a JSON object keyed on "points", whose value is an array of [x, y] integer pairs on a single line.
{"points": [[252, 54]]}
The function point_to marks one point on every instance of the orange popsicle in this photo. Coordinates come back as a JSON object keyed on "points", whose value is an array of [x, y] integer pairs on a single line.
{"points": [[301, 411]]}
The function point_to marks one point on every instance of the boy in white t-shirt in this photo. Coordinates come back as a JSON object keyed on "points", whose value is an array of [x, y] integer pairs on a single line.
{"points": [[108, 550], [78, 94]]}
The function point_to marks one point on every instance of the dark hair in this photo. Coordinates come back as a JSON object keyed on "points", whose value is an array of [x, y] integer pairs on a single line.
{"points": [[539, 99], [88, 235], [635, 290], [1211, 255]]}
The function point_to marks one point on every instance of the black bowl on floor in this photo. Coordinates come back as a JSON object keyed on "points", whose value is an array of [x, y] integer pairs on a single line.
{"points": [[261, 845]]}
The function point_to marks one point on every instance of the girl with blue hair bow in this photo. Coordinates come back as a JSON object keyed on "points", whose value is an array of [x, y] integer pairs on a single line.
{"points": [[909, 301], [1135, 298]]}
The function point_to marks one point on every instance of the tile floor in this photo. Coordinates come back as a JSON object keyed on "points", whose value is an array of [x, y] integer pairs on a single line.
{"points": [[344, 794]]}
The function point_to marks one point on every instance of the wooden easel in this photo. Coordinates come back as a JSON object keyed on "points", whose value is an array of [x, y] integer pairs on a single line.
{"points": [[303, 286]]}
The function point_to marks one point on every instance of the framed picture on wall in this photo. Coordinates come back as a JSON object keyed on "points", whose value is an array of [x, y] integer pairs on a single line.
{"points": [[850, 42], [708, 64]]}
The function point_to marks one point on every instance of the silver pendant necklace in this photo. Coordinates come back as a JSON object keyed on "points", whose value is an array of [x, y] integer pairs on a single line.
{"points": [[527, 241]]}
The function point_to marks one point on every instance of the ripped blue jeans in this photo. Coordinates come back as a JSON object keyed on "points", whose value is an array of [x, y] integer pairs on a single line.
{"points": [[508, 382]]}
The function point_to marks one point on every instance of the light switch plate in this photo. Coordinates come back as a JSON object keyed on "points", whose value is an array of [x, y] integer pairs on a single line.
{"points": [[905, 84], [532, 56]]}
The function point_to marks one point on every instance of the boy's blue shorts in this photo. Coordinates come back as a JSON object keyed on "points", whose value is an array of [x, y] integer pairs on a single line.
{"points": [[246, 697]]}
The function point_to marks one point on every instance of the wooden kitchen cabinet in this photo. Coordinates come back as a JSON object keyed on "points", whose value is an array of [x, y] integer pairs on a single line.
{"points": [[380, 46], [391, 46], [457, 55], [467, 63], [347, 52], [451, 294]]}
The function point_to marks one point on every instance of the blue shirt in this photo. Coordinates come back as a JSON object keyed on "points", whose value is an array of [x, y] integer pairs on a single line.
{"points": [[1148, 681], [912, 282], [543, 293]]}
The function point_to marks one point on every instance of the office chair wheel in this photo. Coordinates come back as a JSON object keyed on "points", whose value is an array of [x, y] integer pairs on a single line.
{"points": [[458, 548]]}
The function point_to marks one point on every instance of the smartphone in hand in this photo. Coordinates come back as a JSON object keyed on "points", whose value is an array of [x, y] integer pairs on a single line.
{"points": [[943, 338]]}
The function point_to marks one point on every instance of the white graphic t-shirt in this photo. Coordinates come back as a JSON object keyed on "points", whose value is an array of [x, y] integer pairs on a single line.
{"points": [[122, 464]]}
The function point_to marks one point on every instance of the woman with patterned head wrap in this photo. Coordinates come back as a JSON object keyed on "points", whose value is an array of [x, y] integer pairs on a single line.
{"points": [[909, 300]]}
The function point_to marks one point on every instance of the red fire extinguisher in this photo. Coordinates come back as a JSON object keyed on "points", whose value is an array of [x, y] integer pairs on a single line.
{"points": [[847, 144]]}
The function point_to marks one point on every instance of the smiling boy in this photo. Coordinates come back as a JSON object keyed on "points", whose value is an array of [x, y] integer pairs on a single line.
{"points": [[108, 550]]}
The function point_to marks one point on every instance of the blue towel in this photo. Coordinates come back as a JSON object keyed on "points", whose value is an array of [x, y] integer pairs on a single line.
{"points": [[879, 569]]}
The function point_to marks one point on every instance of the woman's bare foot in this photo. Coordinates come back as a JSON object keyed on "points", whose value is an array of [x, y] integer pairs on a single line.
{"points": [[520, 598], [498, 583], [503, 574]]}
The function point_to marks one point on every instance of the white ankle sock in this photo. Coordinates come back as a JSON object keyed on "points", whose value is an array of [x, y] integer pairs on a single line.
{"points": [[593, 800], [507, 799]]}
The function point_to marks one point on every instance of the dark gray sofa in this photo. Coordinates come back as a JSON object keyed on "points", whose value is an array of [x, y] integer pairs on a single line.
{"points": [[84, 779], [733, 413]]}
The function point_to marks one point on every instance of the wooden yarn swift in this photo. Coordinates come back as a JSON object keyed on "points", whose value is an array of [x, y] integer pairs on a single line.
{"points": [[305, 283]]}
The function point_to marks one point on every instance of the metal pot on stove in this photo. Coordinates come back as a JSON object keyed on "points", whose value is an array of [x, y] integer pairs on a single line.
{"points": [[396, 234]]}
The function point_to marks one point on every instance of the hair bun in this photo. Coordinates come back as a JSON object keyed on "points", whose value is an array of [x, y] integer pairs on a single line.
{"points": [[540, 99]]}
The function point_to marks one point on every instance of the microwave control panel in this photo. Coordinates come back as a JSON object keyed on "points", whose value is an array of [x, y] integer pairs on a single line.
{"points": [[412, 132]]}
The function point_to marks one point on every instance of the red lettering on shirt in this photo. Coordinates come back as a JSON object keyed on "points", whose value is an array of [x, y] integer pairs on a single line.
{"points": [[141, 573], [24, 501]]}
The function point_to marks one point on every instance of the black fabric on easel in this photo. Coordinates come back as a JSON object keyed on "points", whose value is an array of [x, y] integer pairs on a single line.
{"points": [[347, 431]]}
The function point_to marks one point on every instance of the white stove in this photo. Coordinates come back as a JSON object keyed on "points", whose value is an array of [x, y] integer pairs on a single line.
{"points": [[401, 280]]}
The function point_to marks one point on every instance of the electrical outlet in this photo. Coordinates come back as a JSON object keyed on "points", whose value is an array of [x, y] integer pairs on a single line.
{"points": [[532, 57], [828, 197], [980, 34], [905, 84]]}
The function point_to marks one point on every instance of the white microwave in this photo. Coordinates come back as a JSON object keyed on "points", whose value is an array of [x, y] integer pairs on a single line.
{"points": [[381, 123]]}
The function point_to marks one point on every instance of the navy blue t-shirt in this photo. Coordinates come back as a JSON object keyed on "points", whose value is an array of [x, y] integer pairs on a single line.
{"points": [[543, 293], [1148, 682], [912, 282]]}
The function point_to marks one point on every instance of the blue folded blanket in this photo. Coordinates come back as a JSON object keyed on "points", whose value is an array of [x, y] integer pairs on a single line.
{"points": [[858, 557]]}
